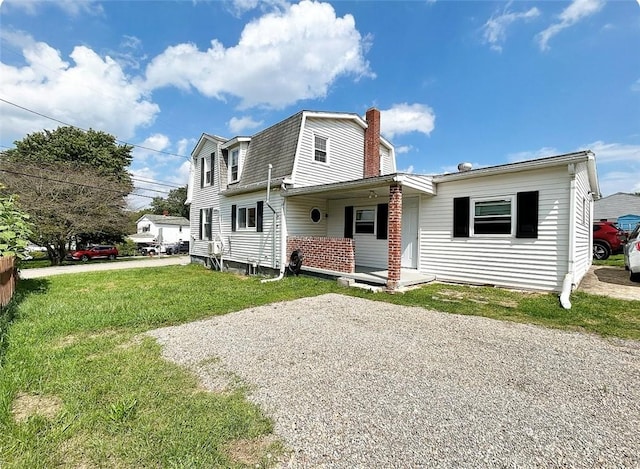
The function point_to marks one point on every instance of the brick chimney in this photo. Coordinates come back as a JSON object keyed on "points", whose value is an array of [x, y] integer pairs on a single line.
{"points": [[372, 144]]}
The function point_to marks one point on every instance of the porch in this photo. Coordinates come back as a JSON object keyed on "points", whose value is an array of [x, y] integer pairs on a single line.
{"points": [[375, 276]]}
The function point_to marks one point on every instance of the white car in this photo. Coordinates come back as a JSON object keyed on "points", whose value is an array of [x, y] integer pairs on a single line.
{"points": [[632, 254]]}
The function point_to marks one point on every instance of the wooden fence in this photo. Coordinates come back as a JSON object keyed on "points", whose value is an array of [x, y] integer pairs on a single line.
{"points": [[8, 279]]}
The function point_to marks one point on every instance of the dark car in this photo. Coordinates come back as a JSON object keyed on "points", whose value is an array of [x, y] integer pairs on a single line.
{"points": [[94, 252], [607, 239]]}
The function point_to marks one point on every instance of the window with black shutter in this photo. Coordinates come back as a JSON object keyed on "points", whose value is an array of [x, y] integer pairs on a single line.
{"points": [[233, 217], [348, 221], [527, 217], [382, 221], [461, 217]]}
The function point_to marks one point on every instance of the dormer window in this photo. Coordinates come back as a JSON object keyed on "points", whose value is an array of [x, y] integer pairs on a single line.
{"points": [[320, 149], [233, 165]]}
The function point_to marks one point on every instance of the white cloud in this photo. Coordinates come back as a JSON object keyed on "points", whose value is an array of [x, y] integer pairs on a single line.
{"points": [[184, 145], [408, 170], [618, 164], [403, 149], [614, 152], [636, 85], [237, 125], [532, 155], [404, 118], [91, 91], [281, 58], [71, 7], [495, 29], [575, 12]]}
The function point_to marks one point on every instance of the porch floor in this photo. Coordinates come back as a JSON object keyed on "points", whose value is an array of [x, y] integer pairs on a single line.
{"points": [[376, 276]]}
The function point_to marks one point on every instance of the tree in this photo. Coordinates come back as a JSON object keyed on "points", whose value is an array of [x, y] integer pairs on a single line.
{"points": [[173, 204], [15, 228], [72, 183]]}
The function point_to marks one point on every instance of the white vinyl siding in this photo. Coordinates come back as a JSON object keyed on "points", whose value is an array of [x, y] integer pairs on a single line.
{"points": [[387, 162], [346, 148], [204, 198], [583, 253], [538, 263], [369, 251], [249, 245], [299, 216]]}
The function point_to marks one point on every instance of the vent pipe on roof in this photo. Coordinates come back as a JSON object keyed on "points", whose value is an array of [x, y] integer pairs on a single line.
{"points": [[462, 167]]}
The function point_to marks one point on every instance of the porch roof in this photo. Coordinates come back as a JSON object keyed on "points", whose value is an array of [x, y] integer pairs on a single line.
{"points": [[411, 183]]}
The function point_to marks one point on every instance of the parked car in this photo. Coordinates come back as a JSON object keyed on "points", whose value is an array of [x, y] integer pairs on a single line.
{"points": [[94, 252], [151, 250], [178, 248], [632, 254], [607, 239]]}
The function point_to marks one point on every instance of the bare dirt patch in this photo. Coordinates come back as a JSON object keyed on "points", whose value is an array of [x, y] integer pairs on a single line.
{"points": [[26, 405], [610, 281], [254, 451]]}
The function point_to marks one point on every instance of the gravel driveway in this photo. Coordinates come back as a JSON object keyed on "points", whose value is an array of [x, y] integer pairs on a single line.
{"points": [[356, 383]]}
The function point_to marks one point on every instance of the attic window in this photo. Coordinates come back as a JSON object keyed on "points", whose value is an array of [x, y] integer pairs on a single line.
{"points": [[320, 149], [233, 164]]}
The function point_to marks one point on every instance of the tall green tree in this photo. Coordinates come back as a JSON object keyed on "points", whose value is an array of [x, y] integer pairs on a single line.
{"points": [[73, 184], [173, 204], [15, 228]]}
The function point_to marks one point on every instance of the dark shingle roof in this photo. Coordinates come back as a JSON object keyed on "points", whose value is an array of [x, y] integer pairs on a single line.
{"points": [[275, 145], [165, 220], [616, 205]]}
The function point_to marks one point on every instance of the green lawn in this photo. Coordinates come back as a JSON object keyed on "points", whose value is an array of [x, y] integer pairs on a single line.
{"points": [[81, 387], [616, 260]]}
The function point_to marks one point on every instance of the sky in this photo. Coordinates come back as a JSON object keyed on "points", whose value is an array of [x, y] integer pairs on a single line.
{"points": [[485, 82]]}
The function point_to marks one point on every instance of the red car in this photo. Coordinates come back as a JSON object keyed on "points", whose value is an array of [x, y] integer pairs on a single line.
{"points": [[94, 252], [607, 239]]}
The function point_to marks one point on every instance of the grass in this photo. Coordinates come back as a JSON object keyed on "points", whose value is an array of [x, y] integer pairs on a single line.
{"points": [[41, 262], [81, 387], [616, 260]]}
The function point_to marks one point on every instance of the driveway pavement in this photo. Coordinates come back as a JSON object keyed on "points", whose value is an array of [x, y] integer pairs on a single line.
{"points": [[610, 281], [96, 266], [355, 383]]}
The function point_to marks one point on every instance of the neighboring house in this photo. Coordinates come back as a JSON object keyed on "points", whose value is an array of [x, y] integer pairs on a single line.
{"points": [[622, 208], [162, 230], [326, 184]]}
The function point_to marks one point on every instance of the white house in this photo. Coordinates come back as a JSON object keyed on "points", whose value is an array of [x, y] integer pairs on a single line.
{"points": [[161, 230], [326, 184]]}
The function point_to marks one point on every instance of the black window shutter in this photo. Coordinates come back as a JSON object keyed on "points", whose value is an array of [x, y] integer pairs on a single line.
{"points": [[348, 221], [200, 224], [259, 210], [461, 217], [210, 224], [201, 172], [527, 215], [233, 217], [382, 221]]}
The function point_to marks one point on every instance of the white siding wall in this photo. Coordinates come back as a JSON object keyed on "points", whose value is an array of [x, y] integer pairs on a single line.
{"points": [[583, 253], [387, 165], [203, 197], [299, 216], [345, 155], [246, 245], [370, 252], [170, 233], [521, 263]]}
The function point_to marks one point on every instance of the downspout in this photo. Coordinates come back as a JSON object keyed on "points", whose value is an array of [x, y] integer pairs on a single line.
{"points": [[283, 245], [567, 283]]}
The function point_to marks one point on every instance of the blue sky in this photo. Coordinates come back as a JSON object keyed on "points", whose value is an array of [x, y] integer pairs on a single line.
{"points": [[484, 82]]}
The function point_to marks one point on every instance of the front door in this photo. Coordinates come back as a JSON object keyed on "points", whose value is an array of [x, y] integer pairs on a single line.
{"points": [[410, 233]]}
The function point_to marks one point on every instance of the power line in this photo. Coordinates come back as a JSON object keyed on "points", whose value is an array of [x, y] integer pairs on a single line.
{"points": [[134, 178], [124, 194], [85, 130]]}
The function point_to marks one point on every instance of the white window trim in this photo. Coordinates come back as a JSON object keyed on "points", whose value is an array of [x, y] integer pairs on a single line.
{"points": [[207, 168], [472, 216], [327, 150], [255, 217], [230, 166], [375, 220]]}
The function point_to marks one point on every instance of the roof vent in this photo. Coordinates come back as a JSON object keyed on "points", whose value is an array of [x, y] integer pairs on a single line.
{"points": [[462, 167]]}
